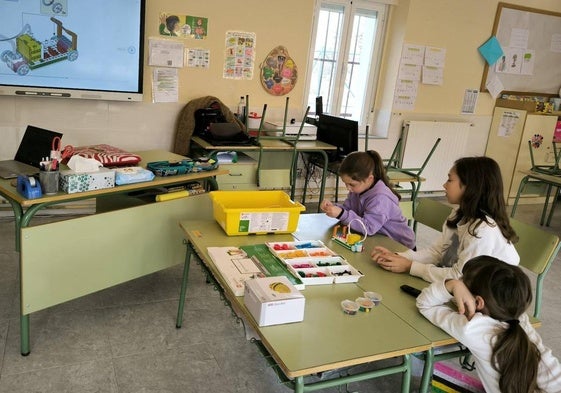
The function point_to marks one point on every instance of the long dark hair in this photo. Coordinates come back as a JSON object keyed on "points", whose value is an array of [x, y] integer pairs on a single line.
{"points": [[507, 293], [483, 196], [358, 165]]}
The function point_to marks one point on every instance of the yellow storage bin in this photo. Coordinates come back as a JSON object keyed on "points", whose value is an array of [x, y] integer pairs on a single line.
{"points": [[255, 212]]}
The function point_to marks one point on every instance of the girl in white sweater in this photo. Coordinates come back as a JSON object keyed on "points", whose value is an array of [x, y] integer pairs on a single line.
{"points": [[479, 226], [492, 298]]}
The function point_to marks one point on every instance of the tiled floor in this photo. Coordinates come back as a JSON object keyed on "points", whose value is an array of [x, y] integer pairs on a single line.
{"points": [[124, 339]]}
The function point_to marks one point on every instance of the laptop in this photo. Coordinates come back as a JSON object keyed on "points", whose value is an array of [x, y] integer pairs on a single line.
{"points": [[35, 145]]}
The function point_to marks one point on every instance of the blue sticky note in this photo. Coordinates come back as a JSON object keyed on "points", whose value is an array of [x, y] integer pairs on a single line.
{"points": [[491, 50]]}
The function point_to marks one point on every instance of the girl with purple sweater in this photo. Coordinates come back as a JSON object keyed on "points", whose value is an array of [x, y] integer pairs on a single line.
{"points": [[371, 199]]}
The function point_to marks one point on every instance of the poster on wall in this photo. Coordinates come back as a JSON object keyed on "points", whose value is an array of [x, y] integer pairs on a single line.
{"points": [[239, 56], [198, 58], [183, 26]]}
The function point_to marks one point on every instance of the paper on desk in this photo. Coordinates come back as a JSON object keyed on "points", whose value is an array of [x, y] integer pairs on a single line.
{"points": [[81, 164]]}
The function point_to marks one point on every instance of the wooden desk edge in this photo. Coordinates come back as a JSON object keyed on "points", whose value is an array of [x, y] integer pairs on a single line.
{"points": [[158, 181]]}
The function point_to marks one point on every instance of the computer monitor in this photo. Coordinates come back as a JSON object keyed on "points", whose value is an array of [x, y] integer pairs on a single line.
{"points": [[339, 132], [319, 106]]}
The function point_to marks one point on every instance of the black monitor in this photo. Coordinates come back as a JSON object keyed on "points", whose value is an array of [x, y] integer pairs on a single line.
{"points": [[339, 132], [319, 106]]}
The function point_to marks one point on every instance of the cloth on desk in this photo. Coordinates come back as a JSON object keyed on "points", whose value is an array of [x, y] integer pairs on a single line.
{"points": [[186, 122]]}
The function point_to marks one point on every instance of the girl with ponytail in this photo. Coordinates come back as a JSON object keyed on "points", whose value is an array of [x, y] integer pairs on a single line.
{"points": [[371, 199], [491, 321]]}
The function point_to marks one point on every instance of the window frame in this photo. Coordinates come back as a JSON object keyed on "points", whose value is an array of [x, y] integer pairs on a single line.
{"points": [[350, 10]]}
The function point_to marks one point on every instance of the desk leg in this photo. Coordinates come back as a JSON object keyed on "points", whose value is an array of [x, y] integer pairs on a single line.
{"points": [[24, 335], [427, 371], [406, 381], [299, 385], [188, 253], [323, 178], [520, 188], [546, 203], [553, 203], [22, 222], [18, 213]]}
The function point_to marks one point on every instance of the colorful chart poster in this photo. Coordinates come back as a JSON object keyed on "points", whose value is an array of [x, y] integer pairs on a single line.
{"points": [[239, 56]]}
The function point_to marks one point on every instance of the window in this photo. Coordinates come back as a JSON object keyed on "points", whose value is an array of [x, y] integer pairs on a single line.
{"points": [[346, 49]]}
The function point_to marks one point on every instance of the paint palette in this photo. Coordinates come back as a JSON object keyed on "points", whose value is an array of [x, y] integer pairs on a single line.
{"points": [[314, 263]]}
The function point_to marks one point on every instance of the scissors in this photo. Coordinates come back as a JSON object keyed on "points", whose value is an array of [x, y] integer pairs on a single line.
{"points": [[67, 152], [56, 145]]}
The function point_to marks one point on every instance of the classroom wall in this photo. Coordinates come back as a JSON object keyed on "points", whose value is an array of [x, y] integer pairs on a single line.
{"points": [[459, 26]]}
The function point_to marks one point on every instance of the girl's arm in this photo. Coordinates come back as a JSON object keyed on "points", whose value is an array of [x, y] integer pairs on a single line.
{"points": [[424, 261], [374, 217]]}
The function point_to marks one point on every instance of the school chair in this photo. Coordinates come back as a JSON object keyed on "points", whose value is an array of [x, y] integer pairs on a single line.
{"points": [[410, 175], [431, 213], [393, 161], [537, 249], [407, 211], [551, 182]]}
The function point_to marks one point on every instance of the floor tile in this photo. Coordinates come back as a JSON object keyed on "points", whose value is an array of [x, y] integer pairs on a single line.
{"points": [[83, 377], [58, 339]]}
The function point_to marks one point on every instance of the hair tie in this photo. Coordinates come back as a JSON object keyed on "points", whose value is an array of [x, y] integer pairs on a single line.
{"points": [[512, 322]]}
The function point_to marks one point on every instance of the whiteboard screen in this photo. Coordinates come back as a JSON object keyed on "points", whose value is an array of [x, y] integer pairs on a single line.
{"points": [[531, 43]]}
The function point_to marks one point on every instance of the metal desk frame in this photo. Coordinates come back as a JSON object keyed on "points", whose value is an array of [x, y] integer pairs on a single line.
{"points": [[48, 276]]}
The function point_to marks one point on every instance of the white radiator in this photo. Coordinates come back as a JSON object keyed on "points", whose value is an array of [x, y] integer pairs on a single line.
{"points": [[420, 136]]}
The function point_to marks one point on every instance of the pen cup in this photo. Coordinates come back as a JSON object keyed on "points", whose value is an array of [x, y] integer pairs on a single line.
{"points": [[49, 182]]}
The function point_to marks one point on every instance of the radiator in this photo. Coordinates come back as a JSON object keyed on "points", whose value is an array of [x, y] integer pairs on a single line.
{"points": [[420, 136]]}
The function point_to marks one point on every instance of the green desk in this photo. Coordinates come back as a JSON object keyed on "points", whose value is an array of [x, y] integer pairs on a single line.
{"points": [[268, 144], [327, 339], [64, 260]]}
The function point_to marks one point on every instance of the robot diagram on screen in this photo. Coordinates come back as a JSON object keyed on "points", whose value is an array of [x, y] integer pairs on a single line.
{"points": [[28, 53]]}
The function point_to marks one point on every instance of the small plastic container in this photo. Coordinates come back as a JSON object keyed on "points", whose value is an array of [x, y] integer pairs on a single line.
{"points": [[374, 296], [364, 304], [349, 307]]}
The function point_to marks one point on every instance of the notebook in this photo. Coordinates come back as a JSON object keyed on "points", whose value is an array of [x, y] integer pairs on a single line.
{"points": [[34, 146]]}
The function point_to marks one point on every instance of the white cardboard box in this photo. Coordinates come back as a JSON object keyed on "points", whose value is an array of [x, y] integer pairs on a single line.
{"points": [[273, 301]]}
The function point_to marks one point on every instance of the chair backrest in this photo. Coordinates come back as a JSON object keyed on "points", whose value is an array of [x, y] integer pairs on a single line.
{"points": [[547, 169], [419, 170], [537, 249], [431, 213], [393, 161]]}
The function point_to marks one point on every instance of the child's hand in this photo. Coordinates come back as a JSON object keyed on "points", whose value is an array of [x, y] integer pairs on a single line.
{"points": [[391, 261], [325, 204], [330, 209], [378, 252], [465, 301]]}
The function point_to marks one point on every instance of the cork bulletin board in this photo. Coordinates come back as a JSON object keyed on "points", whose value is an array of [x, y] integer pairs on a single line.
{"points": [[540, 32]]}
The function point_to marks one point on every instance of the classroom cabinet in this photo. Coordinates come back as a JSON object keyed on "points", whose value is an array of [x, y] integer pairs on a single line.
{"points": [[513, 125], [242, 174]]}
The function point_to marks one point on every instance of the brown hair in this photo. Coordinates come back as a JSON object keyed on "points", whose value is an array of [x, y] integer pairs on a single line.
{"points": [[507, 293], [483, 195], [358, 165]]}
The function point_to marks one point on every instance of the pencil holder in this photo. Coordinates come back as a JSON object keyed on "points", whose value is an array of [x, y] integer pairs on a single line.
{"points": [[353, 241]]}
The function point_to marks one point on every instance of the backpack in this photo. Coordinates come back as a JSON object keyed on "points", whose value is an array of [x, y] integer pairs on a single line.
{"points": [[212, 126], [205, 116]]}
